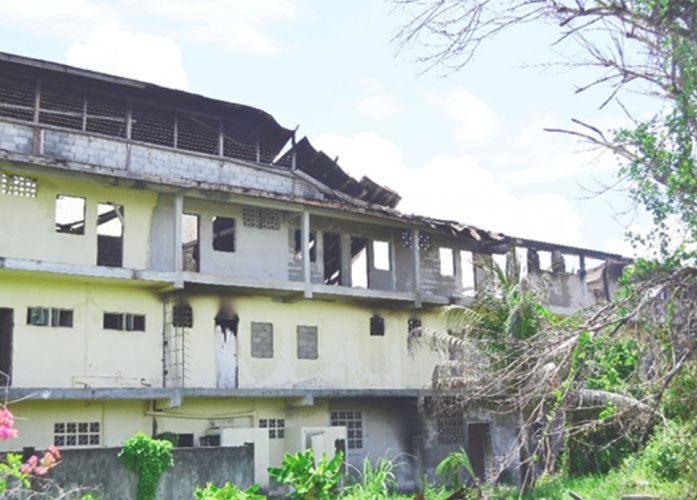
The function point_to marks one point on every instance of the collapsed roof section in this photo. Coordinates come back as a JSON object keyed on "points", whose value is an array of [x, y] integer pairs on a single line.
{"points": [[100, 103]]}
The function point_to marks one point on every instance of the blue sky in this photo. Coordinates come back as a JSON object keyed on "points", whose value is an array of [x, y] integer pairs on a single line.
{"points": [[467, 146]]}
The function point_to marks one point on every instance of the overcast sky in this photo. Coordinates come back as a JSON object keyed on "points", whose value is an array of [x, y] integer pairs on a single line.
{"points": [[467, 146]]}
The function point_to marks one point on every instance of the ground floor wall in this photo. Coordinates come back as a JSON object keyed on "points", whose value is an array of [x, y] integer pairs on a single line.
{"points": [[364, 427]]}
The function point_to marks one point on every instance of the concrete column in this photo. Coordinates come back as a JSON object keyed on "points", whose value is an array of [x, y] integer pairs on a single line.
{"points": [[346, 260], [305, 245], [416, 253], [178, 253]]}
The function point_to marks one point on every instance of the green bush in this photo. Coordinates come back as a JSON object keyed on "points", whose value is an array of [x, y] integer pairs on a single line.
{"points": [[227, 492], [671, 453], [148, 458], [308, 481], [374, 482]]}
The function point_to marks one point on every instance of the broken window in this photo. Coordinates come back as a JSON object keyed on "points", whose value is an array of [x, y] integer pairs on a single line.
{"points": [[447, 261], [110, 224], [353, 421], [307, 342], [377, 326], [190, 246], [467, 265], [70, 214], [572, 263], [37, 316], [262, 340], [359, 262], [223, 234], [299, 245], [182, 315], [331, 250], [381, 255], [276, 427], [76, 434], [124, 321], [62, 318], [413, 324], [18, 185]]}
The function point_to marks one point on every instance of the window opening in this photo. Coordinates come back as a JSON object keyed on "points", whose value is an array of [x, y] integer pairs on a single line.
{"points": [[223, 234], [381, 255], [353, 421], [62, 318], [151, 124], [359, 262], [500, 260], [276, 427], [377, 326], [198, 133], [37, 316], [110, 225], [331, 250], [572, 263], [76, 434], [124, 321], [299, 245], [545, 260], [467, 265], [190, 246], [447, 261], [478, 447], [18, 185], [70, 214]]}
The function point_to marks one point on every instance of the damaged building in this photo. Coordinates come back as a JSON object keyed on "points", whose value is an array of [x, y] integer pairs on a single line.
{"points": [[175, 263]]}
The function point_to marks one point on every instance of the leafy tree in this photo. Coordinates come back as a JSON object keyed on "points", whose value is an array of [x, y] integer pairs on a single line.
{"points": [[620, 361]]}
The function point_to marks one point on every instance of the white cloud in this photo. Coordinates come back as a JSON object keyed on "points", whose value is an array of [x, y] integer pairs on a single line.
{"points": [[142, 56], [475, 123], [378, 106], [234, 25], [456, 188]]}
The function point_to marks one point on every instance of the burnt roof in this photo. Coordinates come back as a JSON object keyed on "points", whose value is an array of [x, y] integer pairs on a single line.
{"points": [[242, 124]]}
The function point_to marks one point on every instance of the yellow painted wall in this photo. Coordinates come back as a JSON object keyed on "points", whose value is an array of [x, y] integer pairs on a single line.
{"points": [[349, 357], [30, 222], [46, 356]]}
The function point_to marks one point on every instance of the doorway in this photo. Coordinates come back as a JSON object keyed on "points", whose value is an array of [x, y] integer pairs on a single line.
{"points": [[478, 447], [6, 337]]}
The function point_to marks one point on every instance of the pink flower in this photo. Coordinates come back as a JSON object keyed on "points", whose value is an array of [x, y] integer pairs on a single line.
{"points": [[40, 471], [25, 469], [54, 451], [48, 461], [33, 460], [7, 422], [7, 433]]}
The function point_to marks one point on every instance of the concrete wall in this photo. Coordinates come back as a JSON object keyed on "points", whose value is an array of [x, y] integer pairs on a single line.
{"points": [[27, 224], [86, 354], [100, 470], [150, 161], [348, 356]]}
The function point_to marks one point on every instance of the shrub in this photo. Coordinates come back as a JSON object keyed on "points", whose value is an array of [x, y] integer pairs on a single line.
{"points": [[374, 482], [308, 481], [148, 458], [227, 492], [671, 453]]}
